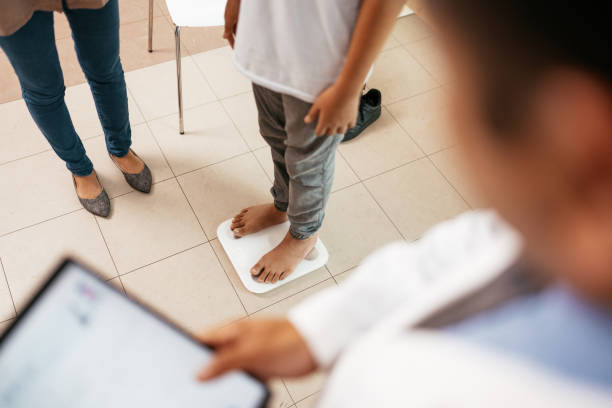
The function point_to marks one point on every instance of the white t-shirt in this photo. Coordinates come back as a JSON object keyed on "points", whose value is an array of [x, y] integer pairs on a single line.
{"points": [[295, 47]]}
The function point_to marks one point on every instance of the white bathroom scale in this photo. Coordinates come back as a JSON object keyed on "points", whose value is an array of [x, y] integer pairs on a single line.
{"points": [[246, 251]]}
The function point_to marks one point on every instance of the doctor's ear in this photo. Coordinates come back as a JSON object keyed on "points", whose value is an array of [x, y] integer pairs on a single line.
{"points": [[572, 115]]}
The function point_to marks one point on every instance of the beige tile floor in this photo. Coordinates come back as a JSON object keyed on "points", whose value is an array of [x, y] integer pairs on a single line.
{"points": [[392, 183]]}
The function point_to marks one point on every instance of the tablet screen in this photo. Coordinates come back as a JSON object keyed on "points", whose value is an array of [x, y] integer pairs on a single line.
{"points": [[83, 344]]}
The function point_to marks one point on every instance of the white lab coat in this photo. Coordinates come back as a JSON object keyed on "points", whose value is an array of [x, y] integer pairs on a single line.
{"points": [[361, 329]]}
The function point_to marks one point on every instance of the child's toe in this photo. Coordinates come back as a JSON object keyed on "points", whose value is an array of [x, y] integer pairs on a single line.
{"points": [[263, 276], [270, 276], [257, 269]]}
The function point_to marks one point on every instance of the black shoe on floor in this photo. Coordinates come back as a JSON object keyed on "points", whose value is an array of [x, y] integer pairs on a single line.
{"points": [[369, 111]]}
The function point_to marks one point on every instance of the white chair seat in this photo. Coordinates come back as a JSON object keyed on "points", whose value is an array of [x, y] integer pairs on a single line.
{"points": [[197, 13]]}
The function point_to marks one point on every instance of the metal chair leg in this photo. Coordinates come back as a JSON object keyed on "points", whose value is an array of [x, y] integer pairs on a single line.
{"points": [[179, 77], [151, 25]]}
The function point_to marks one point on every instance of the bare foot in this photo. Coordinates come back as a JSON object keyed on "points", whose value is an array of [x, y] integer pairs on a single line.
{"points": [[253, 219], [130, 163], [88, 187], [282, 260]]}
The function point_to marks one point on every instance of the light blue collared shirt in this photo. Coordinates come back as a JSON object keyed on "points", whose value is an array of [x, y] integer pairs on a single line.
{"points": [[554, 329]]}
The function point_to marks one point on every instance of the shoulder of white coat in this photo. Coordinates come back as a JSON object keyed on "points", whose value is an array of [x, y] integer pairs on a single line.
{"points": [[469, 230], [468, 236]]}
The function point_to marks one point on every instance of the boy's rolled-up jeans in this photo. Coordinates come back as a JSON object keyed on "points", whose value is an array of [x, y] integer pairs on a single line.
{"points": [[303, 162]]}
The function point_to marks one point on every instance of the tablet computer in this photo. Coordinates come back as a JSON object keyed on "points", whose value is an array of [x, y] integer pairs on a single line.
{"points": [[82, 343]]}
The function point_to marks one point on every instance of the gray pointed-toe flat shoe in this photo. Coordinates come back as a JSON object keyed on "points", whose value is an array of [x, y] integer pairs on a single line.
{"points": [[141, 181], [99, 206]]}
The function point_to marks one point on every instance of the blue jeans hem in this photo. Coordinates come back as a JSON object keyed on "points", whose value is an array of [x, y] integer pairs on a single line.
{"points": [[82, 172]]}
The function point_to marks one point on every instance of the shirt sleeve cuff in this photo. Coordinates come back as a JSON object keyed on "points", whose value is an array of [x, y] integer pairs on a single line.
{"points": [[323, 328]]}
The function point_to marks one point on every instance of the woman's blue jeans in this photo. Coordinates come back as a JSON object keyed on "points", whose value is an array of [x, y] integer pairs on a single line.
{"points": [[32, 52]]}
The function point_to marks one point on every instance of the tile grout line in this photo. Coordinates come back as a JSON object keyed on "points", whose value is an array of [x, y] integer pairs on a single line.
{"points": [[192, 210], [8, 286], [232, 119], [48, 148], [349, 269], [431, 75], [146, 122], [109, 252], [213, 164], [425, 156], [199, 105], [171, 169], [428, 157], [384, 212], [39, 222], [423, 153], [332, 276], [71, 212], [306, 397], [376, 201], [162, 259], [25, 157], [442, 149], [420, 93], [290, 296], [262, 167], [227, 277], [288, 393], [329, 272], [207, 81], [407, 132], [134, 191], [386, 105], [220, 101], [449, 182]]}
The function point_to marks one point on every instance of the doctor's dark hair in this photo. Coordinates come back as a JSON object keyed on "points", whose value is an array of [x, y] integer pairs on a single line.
{"points": [[517, 42]]}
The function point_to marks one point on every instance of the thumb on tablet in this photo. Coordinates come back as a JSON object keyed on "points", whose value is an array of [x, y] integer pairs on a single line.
{"points": [[219, 365], [220, 336]]}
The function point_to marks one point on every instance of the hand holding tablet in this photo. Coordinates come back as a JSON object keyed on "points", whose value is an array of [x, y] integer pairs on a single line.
{"points": [[268, 348]]}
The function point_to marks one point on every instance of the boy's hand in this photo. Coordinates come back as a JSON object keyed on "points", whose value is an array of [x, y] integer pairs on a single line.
{"points": [[336, 109], [265, 348], [232, 8]]}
